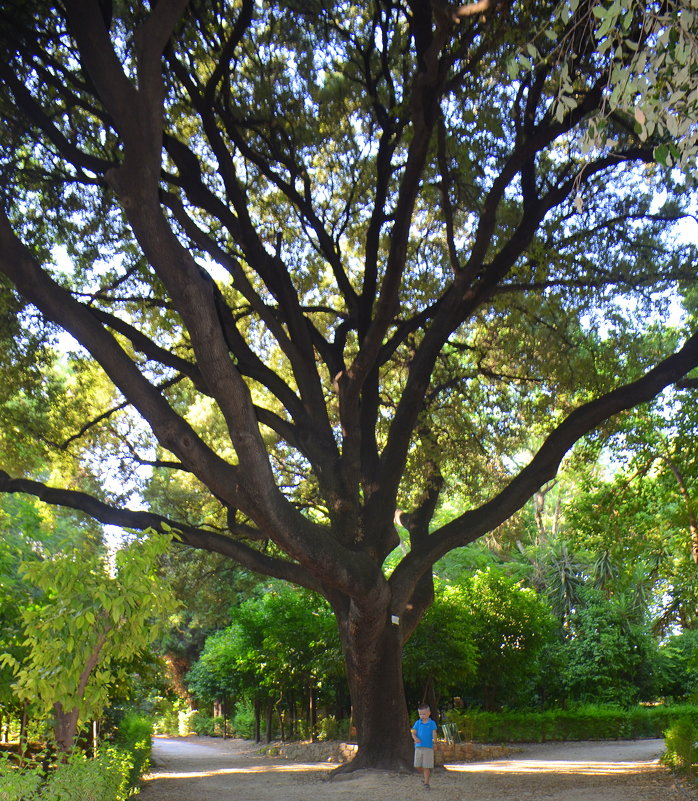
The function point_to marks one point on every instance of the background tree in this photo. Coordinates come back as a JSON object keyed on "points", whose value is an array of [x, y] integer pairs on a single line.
{"points": [[325, 260], [281, 652], [635, 522], [679, 667], [610, 656], [83, 627], [207, 587], [511, 626]]}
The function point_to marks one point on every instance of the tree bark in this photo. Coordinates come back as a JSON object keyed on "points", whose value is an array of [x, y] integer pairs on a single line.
{"points": [[257, 720], [65, 727], [23, 726], [373, 655], [312, 711], [269, 721]]}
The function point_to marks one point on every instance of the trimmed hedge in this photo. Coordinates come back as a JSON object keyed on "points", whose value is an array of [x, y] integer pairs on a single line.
{"points": [[583, 723]]}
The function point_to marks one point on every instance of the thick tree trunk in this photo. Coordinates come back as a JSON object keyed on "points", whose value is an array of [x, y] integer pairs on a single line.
{"points": [[373, 655], [65, 727]]}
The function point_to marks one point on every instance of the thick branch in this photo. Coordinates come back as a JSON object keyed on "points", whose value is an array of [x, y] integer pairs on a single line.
{"points": [[35, 113], [59, 306], [460, 301], [425, 101], [93, 659], [543, 467], [140, 521]]}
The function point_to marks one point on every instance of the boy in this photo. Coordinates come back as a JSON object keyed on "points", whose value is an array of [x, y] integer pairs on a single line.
{"points": [[423, 735]]}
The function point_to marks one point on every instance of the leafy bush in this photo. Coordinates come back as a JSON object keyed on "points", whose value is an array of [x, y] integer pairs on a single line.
{"points": [[79, 779], [243, 721], [111, 776], [329, 728], [681, 741], [134, 735], [105, 778], [171, 718], [167, 723], [203, 724], [16, 784]]}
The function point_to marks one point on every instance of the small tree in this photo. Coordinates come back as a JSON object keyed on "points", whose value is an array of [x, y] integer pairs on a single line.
{"points": [[91, 620], [678, 660], [283, 645]]}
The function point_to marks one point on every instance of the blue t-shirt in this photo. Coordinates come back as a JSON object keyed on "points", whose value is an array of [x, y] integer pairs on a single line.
{"points": [[425, 733]]}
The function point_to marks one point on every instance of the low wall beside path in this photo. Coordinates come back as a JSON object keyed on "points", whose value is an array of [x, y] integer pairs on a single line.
{"points": [[337, 752], [445, 753]]}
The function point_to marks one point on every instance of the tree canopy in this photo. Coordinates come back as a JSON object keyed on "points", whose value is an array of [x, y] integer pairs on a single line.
{"points": [[323, 265]]}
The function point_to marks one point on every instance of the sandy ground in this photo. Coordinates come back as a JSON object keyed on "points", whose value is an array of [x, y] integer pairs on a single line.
{"points": [[209, 769]]}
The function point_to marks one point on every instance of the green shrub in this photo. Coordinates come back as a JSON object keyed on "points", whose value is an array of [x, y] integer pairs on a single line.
{"points": [[168, 719], [203, 724], [185, 717], [329, 728], [134, 728], [16, 784], [134, 736], [111, 776], [243, 721], [167, 723], [682, 747], [105, 778]]}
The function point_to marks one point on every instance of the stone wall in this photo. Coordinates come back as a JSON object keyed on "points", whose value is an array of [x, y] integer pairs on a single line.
{"points": [[336, 752], [330, 751], [468, 752]]}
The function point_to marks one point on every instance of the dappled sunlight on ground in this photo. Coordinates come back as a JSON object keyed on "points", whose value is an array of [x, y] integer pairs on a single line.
{"points": [[282, 768], [554, 766]]}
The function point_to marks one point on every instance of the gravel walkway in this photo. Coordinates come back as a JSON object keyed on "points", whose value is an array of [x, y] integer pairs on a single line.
{"points": [[209, 769]]}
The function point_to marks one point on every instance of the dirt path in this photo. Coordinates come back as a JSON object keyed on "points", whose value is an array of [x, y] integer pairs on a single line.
{"points": [[207, 769]]}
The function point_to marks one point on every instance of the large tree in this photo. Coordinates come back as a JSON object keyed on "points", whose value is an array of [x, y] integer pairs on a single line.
{"points": [[333, 257]]}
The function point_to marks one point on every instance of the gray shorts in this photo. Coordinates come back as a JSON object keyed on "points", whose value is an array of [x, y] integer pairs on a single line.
{"points": [[424, 757]]}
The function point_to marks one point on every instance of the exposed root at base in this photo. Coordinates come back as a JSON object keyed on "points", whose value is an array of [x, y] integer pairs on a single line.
{"points": [[349, 770], [357, 774]]}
